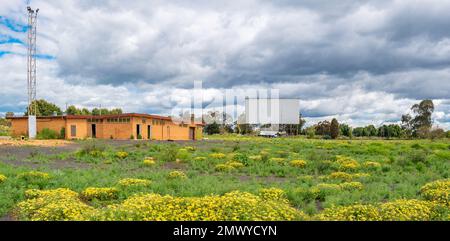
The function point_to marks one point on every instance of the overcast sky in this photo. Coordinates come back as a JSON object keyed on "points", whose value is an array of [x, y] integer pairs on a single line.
{"points": [[364, 62]]}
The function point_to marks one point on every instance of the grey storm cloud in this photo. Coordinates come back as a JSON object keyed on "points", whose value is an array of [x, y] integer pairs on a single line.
{"points": [[285, 41]]}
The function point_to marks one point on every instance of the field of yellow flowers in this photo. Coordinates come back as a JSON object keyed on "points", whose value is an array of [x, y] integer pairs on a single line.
{"points": [[230, 178]]}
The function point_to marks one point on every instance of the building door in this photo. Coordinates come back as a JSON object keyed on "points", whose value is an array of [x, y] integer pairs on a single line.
{"points": [[94, 130], [73, 131], [191, 133], [149, 132], [138, 131]]}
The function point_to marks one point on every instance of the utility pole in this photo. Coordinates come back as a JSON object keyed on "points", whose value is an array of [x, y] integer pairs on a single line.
{"points": [[31, 72]]}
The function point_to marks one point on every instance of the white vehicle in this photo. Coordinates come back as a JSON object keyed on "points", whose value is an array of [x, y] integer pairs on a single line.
{"points": [[269, 133]]}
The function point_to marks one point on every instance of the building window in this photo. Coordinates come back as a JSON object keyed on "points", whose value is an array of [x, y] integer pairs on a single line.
{"points": [[73, 130]]}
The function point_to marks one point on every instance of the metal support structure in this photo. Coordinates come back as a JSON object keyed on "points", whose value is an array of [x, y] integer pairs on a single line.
{"points": [[31, 72]]}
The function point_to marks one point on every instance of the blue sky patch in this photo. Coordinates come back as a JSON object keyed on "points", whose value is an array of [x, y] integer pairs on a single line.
{"points": [[12, 25], [5, 39]]}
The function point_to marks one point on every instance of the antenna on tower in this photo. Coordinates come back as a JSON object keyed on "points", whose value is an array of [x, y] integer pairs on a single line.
{"points": [[31, 71]]}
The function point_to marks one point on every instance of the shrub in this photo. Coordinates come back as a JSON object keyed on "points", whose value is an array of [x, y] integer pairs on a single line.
{"points": [[264, 156], [356, 212], [217, 155], [341, 176], [361, 175], [255, 158], [417, 156], [231, 206], [47, 134], [62, 133], [33, 176], [235, 164], [92, 148], [438, 191], [241, 158], [223, 168], [122, 154], [190, 148], [298, 163], [346, 163], [350, 186], [176, 175], [200, 158], [149, 162], [278, 160], [100, 193], [372, 165], [2, 178], [52, 205], [169, 154], [408, 210], [183, 154], [274, 194], [127, 182]]}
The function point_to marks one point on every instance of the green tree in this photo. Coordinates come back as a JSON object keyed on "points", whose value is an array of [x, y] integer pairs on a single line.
{"points": [[85, 111], [212, 128], [358, 131], [115, 111], [323, 128], [345, 130], [420, 124], [371, 130], [72, 110], [44, 108], [334, 128]]}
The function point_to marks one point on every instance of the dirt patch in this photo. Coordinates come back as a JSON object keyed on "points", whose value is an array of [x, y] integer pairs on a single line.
{"points": [[46, 143], [8, 217], [269, 179], [319, 205], [54, 164], [174, 165]]}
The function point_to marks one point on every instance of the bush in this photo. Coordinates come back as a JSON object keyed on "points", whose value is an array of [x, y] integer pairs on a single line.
{"points": [[274, 194], [298, 163], [2, 178], [62, 133], [149, 162], [231, 206], [121, 154], [340, 176], [217, 155], [47, 134], [438, 191], [92, 148], [52, 205], [34, 177], [356, 212], [176, 175], [128, 182], [223, 168], [169, 154], [100, 193], [408, 210]]}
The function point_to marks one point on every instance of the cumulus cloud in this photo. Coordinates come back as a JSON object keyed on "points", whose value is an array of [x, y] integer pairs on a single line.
{"points": [[362, 61]]}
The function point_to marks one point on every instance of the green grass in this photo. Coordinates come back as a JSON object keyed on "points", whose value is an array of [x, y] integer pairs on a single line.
{"points": [[406, 165]]}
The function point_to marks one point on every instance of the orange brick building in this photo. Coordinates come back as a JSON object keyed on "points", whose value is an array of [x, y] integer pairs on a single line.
{"points": [[121, 126]]}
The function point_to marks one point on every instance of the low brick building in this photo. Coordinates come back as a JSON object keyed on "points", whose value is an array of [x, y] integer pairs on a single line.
{"points": [[120, 126]]}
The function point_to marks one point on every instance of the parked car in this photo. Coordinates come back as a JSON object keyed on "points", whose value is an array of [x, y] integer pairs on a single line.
{"points": [[271, 134]]}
